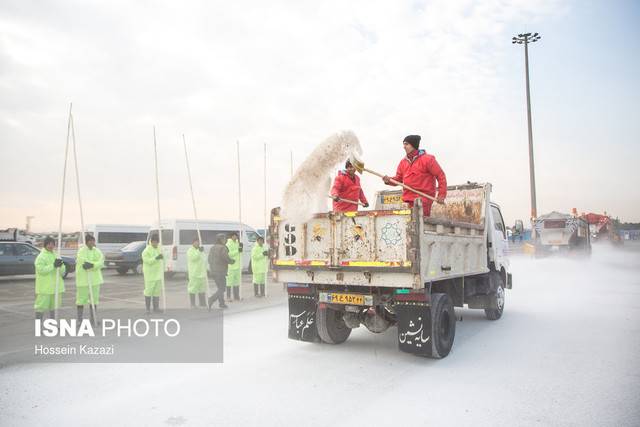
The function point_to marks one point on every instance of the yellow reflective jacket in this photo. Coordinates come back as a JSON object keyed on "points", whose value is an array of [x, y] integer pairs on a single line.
{"points": [[152, 268], [93, 275], [46, 273], [234, 254], [196, 264], [258, 260]]}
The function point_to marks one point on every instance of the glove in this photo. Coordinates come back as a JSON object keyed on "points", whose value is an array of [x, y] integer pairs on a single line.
{"points": [[241, 247], [366, 205], [265, 253], [57, 263], [386, 180], [335, 198], [87, 265], [440, 201], [159, 256], [201, 248]]}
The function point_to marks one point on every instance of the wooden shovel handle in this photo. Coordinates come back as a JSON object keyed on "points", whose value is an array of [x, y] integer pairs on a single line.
{"points": [[420, 193], [349, 201]]}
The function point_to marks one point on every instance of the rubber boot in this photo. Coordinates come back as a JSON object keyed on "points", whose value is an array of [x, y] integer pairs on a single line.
{"points": [[255, 290], [80, 310], [39, 315], [236, 293], [228, 293], [52, 314], [192, 300], [262, 289], [156, 305], [202, 299], [147, 303]]}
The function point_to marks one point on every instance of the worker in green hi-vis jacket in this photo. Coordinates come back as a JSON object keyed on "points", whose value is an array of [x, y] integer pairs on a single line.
{"points": [[197, 270], [259, 255], [153, 269], [89, 264], [234, 271], [47, 265]]}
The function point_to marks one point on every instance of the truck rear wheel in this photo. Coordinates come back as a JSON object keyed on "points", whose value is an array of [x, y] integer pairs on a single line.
{"points": [[122, 270], [497, 297], [331, 326], [443, 325]]}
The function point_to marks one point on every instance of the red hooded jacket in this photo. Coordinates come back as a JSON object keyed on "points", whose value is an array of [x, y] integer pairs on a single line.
{"points": [[420, 171], [347, 188]]}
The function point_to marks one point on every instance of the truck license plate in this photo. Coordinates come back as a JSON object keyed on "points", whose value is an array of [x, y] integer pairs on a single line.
{"points": [[351, 299], [111, 264]]}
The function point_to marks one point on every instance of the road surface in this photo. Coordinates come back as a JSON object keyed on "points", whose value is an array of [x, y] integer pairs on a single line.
{"points": [[566, 352]]}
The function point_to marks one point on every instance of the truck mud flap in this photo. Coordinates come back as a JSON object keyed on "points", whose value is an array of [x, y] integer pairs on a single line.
{"points": [[302, 318], [414, 327]]}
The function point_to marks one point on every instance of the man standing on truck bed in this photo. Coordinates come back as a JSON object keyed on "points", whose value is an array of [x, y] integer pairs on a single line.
{"points": [[346, 188], [420, 171]]}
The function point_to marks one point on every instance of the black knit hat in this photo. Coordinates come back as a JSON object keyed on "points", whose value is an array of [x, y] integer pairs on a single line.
{"points": [[413, 140]]}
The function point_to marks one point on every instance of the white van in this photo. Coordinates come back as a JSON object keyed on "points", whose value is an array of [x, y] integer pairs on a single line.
{"points": [[113, 237], [178, 235]]}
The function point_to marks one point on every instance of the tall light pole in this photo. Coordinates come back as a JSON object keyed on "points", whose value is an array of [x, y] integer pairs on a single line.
{"points": [[526, 39]]}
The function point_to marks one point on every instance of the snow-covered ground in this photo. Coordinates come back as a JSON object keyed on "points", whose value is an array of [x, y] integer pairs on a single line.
{"points": [[565, 353]]}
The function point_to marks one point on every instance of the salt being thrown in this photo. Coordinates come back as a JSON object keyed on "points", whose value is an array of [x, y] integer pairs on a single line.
{"points": [[307, 191]]}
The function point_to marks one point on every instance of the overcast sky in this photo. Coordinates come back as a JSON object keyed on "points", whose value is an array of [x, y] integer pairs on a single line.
{"points": [[290, 73]]}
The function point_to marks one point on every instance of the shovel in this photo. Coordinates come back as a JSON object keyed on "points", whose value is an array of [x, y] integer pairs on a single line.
{"points": [[348, 201], [359, 165]]}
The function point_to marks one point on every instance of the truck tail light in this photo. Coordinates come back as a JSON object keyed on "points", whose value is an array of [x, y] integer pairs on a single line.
{"points": [[174, 253]]}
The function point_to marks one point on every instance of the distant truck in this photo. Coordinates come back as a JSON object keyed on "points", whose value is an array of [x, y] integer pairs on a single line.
{"points": [[562, 233], [393, 266], [16, 235]]}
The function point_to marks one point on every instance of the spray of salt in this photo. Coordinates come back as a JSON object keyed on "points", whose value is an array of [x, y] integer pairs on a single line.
{"points": [[307, 191]]}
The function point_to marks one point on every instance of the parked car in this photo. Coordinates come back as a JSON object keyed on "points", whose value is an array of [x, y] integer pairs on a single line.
{"points": [[18, 258], [127, 258]]}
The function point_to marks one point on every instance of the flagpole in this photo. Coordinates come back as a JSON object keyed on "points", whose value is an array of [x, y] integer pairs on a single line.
{"points": [[155, 151], [266, 273], [64, 180], [92, 303], [240, 218], [195, 213]]}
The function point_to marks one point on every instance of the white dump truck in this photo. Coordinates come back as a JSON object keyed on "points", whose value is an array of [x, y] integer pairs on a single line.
{"points": [[393, 266]]}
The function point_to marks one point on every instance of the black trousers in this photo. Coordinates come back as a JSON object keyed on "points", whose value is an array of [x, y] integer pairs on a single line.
{"points": [[221, 284]]}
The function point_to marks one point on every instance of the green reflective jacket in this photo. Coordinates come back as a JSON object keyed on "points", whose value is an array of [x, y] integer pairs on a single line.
{"points": [[152, 268], [46, 273], [196, 264], [93, 275], [258, 260], [234, 254]]}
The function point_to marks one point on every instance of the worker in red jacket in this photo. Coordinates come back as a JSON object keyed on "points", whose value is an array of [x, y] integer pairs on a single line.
{"points": [[346, 186], [419, 170]]}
